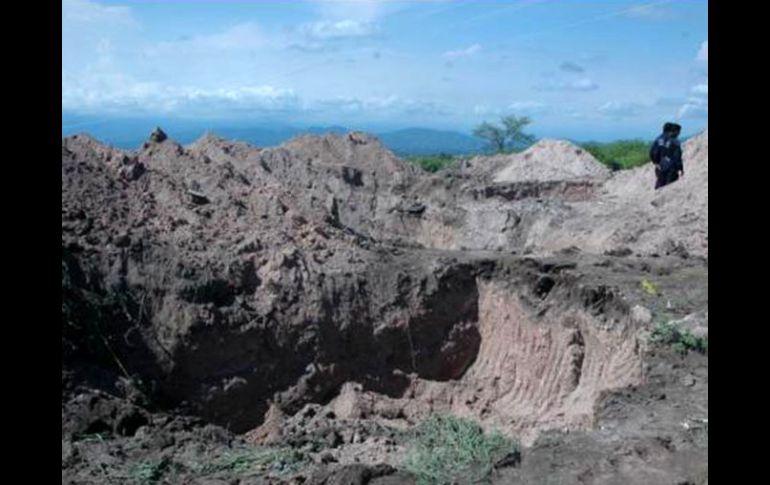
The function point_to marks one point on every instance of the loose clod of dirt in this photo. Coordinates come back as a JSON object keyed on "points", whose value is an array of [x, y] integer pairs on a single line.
{"points": [[235, 314]]}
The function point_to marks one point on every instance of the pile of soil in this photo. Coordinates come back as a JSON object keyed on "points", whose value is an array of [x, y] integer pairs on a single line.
{"points": [[628, 215], [317, 300], [549, 160]]}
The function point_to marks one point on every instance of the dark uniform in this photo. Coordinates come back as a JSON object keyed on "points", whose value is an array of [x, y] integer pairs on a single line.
{"points": [[666, 154]]}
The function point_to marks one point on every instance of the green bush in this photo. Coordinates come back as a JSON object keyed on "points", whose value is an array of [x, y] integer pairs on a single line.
{"points": [[451, 450], [618, 155], [151, 471], [682, 341], [432, 163], [621, 154]]}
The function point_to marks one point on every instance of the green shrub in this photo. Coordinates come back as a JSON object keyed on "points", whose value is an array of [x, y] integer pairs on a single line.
{"points": [[621, 154], [150, 471], [432, 163], [682, 341], [452, 450], [279, 461]]}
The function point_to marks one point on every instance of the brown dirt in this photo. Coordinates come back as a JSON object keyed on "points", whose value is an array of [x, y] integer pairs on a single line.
{"points": [[549, 160], [324, 297]]}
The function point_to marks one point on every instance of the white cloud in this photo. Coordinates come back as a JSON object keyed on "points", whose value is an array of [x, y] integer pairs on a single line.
{"points": [[88, 12], [91, 31], [529, 107], [376, 106], [340, 29], [468, 51], [701, 89], [242, 36], [579, 84], [401, 104], [245, 36], [694, 109], [667, 102], [112, 92], [367, 10], [649, 12], [339, 104], [361, 10], [619, 109], [697, 105], [703, 52], [575, 114], [584, 84], [486, 110]]}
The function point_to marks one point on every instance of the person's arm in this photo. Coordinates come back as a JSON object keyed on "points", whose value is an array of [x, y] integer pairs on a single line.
{"points": [[677, 155], [655, 153]]}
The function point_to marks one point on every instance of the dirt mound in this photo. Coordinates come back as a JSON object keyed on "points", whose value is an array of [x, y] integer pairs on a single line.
{"points": [[549, 160], [627, 214], [637, 182], [528, 375], [571, 201], [325, 289]]}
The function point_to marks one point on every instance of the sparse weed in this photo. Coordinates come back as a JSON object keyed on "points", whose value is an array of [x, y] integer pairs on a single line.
{"points": [[432, 163], [683, 341], [649, 288], [277, 461], [91, 438], [150, 471], [447, 450], [621, 154]]}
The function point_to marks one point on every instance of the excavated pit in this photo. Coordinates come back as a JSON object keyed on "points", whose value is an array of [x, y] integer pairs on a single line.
{"points": [[227, 320], [254, 287], [539, 359]]}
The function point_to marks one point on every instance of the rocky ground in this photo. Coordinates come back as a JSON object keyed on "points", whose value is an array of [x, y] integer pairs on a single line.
{"points": [[233, 314]]}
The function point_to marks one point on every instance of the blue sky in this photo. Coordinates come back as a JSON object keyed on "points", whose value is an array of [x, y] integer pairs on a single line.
{"points": [[579, 69]]}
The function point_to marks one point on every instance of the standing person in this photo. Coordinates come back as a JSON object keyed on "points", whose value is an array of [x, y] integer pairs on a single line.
{"points": [[666, 154]]}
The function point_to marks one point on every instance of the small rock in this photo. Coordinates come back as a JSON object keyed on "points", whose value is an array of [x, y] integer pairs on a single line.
{"points": [[700, 332], [123, 240], [619, 252], [129, 421], [142, 433], [132, 171], [641, 315], [512, 459], [327, 457], [333, 439]]}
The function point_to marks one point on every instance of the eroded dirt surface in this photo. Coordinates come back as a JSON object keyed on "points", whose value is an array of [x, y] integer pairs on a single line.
{"points": [[232, 314]]}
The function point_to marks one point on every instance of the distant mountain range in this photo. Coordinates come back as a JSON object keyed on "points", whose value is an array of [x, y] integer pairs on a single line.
{"points": [[130, 133]]}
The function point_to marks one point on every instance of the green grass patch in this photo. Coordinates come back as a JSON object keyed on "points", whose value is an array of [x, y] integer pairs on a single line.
{"points": [[621, 154], [150, 471], [276, 461], [682, 341], [432, 163], [239, 462], [447, 450], [617, 155]]}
